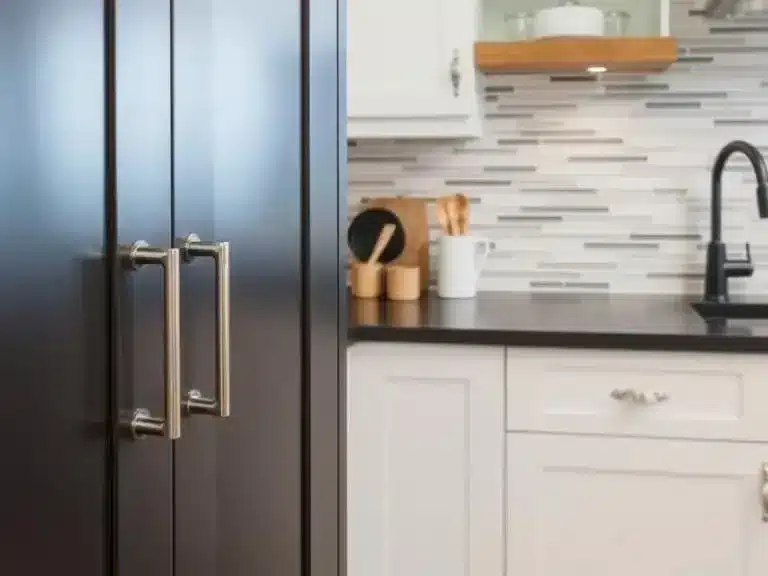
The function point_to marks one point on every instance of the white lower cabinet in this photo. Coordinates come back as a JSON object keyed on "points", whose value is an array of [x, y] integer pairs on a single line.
{"points": [[425, 460], [612, 463], [607, 506]]}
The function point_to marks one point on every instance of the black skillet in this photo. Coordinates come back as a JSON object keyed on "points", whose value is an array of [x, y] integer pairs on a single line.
{"points": [[364, 230]]}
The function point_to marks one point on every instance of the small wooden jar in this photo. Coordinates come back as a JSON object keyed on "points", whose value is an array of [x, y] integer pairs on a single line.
{"points": [[403, 282], [365, 280]]}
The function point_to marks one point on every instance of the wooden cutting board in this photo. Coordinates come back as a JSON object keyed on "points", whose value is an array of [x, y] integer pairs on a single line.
{"points": [[412, 213]]}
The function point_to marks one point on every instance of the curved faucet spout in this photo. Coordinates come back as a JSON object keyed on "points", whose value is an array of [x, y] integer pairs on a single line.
{"points": [[761, 172], [719, 266]]}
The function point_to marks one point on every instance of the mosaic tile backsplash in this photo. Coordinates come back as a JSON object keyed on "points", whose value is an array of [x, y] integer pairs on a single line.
{"points": [[603, 184]]}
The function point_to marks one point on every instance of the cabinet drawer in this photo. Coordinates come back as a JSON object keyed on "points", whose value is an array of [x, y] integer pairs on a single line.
{"points": [[662, 394]]}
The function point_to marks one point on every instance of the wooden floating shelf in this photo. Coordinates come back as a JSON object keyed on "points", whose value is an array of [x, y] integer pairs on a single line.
{"points": [[576, 55]]}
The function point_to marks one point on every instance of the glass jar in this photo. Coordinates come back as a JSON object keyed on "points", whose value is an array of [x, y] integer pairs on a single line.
{"points": [[616, 23], [519, 26]]}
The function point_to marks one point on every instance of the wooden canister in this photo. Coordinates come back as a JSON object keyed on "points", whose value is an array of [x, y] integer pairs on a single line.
{"points": [[412, 213], [365, 280], [403, 282]]}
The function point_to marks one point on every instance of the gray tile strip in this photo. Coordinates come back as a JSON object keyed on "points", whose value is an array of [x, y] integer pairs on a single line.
{"points": [[741, 122], [558, 132], [472, 182], [673, 105], [535, 106], [509, 169], [508, 115], [665, 236], [523, 218], [382, 159], [637, 87], [610, 159], [589, 285]]}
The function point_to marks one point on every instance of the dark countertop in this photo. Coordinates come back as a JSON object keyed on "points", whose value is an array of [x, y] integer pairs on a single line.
{"points": [[559, 320]]}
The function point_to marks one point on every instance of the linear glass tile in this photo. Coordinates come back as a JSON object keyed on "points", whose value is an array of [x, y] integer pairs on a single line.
{"points": [[517, 141], [509, 115], [636, 87], [695, 59], [472, 182], [673, 105], [607, 158], [524, 218]]}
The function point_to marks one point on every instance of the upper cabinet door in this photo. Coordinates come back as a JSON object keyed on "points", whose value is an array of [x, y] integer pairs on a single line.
{"points": [[410, 68]]}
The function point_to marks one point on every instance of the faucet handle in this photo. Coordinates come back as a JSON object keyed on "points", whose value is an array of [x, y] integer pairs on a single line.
{"points": [[740, 268]]}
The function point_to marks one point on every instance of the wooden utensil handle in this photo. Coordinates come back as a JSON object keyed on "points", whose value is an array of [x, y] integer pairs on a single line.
{"points": [[381, 243]]}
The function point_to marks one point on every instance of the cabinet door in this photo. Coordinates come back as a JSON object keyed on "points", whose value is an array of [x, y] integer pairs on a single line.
{"points": [[53, 311], [256, 492], [140, 106], [607, 506], [425, 461], [237, 158], [400, 54]]}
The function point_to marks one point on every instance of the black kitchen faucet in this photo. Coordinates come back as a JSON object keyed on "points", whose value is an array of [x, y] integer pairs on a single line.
{"points": [[719, 266]]}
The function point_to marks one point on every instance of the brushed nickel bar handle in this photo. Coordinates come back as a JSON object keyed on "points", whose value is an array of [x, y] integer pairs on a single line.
{"points": [[196, 403], [143, 423]]}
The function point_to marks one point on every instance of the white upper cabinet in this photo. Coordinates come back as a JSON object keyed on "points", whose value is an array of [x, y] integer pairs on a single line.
{"points": [[410, 69]]}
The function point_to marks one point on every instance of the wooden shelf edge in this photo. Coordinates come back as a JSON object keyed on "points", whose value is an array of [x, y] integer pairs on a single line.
{"points": [[553, 55]]}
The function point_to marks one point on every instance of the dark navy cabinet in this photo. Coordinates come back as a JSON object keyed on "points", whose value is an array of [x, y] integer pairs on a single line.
{"points": [[152, 120]]}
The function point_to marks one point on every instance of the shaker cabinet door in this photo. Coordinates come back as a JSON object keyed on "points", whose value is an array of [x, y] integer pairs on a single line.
{"points": [[425, 460], [606, 506], [410, 67]]}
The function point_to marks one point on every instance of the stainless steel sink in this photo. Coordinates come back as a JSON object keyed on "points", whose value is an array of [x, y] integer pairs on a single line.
{"points": [[736, 310]]}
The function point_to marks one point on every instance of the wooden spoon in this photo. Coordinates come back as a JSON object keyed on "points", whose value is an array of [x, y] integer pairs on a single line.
{"points": [[453, 216], [381, 243], [442, 214], [462, 203]]}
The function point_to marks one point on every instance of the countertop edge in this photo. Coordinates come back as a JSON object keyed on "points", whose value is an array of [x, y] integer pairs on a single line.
{"points": [[552, 339]]}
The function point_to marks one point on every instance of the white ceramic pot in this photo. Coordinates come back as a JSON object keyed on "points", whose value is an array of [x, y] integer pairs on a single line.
{"points": [[571, 20]]}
